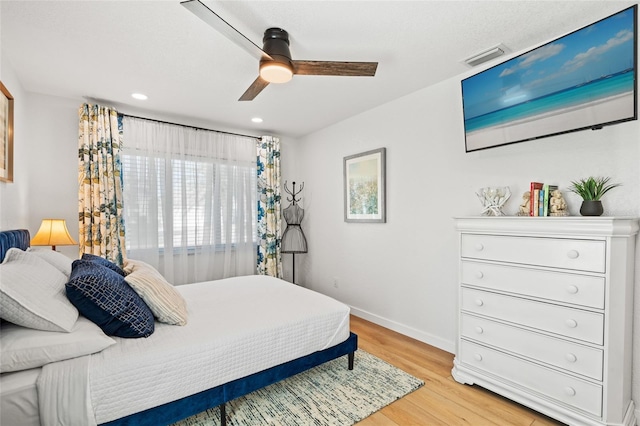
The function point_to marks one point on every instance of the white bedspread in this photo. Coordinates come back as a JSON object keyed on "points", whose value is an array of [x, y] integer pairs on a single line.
{"points": [[236, 327], [19, 398], [63, 394]]}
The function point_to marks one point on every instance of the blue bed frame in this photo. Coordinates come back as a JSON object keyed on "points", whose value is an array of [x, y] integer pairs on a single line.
{"points": [[215, 397], [218, 396]]}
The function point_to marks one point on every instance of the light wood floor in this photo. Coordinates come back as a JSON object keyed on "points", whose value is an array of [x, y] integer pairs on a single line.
{"points": [[442, 400]]}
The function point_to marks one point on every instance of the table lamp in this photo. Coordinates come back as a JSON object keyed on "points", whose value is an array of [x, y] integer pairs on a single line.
{"points": [[53, 232]]}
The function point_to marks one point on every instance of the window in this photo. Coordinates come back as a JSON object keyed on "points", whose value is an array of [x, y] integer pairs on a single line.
{"points": [[203, 204], [190, 200]]}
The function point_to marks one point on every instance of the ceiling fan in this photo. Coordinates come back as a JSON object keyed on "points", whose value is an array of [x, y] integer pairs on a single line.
{"points": [[276, 65]]}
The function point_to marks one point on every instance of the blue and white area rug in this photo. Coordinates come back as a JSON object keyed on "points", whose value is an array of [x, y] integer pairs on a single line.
{"points": [[329, 394]]}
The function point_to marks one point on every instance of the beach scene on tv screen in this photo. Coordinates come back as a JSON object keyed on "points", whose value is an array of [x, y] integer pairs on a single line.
{"points": [[581, 80]]}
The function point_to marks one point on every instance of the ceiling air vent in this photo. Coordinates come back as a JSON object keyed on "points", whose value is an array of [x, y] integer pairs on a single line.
{"points": [[486, 55]]}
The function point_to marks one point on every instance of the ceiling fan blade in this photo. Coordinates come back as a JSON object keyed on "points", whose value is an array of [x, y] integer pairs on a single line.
{"points": [[213, 19], [363, 69], [255, 89]]}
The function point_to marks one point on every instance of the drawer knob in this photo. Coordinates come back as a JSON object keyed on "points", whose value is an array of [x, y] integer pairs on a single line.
{"points": [[479, 274], [570, 391], [479, 302], [571, 323], [477, 357], [479, 247], [571, 357], [479, 330], [573, 254], [572, 289]]}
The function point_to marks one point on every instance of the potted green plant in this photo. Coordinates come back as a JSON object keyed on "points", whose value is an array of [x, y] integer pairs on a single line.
{"points": [[591, 190]]}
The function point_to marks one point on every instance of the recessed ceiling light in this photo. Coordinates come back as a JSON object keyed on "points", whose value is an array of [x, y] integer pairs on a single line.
{"points": [[139, 96], [256, 120]]}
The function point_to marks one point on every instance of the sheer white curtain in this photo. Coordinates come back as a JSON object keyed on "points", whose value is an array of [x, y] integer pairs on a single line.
{"points": [[190, 200]]}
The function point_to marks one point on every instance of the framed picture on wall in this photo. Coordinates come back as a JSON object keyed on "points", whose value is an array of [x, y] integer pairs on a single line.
{"points": [[6, 135], [364, 187]]}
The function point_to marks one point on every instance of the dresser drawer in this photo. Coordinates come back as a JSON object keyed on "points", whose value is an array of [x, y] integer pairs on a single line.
{"points": [[546, 382], [570, 322], [570, 356], [564, 287], [580, 255]]}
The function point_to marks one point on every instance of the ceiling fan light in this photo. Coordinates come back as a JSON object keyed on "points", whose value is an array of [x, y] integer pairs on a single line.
{"points": [[275, 72]]}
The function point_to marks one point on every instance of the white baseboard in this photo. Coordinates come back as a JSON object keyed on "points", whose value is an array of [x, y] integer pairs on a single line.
{"points": [[427, 338]]}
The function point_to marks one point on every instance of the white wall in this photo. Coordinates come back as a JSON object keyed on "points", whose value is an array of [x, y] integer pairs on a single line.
{"points": [[45, 161], [289, 167], [403, 274], [53, 163], [14, 196]]}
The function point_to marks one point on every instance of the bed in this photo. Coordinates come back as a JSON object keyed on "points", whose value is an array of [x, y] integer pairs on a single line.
{"points": [[242, 334]]}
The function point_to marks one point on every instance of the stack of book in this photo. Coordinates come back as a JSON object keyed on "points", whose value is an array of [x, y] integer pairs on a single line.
{"points": [[540, 195]]}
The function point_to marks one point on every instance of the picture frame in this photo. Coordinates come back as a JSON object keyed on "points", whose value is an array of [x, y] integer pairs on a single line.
{"points": [[365, 187], [6, 135]]}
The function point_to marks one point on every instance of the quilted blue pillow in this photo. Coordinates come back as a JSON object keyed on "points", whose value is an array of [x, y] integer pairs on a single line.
{"points": [[103, 296], [103, 262]]}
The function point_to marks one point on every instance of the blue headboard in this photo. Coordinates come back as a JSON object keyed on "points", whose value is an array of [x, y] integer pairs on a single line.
{"points": [[16, 238]]}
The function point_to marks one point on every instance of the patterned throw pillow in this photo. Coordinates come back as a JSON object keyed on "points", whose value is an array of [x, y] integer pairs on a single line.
{"points": [[103, 262], [103, 296], [167, 305]]}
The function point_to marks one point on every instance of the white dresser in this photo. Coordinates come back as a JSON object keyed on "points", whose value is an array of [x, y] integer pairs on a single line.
{"points": [[545, 313]]}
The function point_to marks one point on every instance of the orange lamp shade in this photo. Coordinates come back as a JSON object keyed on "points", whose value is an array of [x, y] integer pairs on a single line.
{"points": [[53, 232]]}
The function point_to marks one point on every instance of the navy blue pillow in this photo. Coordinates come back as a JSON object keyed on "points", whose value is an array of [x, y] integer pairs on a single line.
{"points": [[102, 295], [104, 262]]}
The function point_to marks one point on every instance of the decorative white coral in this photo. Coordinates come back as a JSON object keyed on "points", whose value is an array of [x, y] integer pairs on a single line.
{"points": [[492, 199]]}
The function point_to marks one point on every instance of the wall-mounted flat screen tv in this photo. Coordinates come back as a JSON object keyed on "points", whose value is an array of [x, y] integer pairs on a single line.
{"points": [[584, 80]]}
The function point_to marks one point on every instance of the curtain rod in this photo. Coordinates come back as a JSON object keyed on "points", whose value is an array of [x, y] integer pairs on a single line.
{"points": [[191, 127]]}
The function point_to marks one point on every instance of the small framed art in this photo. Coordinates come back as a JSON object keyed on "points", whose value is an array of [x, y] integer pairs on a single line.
{"points": [[6, 135], [364, 187]]}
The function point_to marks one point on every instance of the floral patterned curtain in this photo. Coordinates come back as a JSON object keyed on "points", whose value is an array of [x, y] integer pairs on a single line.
{"points": [[100, 183], [269, 258]]}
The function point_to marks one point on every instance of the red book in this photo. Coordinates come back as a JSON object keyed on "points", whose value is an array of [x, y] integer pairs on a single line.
{"points": [[534, 186]]}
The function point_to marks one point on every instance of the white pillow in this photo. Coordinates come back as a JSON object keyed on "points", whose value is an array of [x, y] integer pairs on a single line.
{"points": [[167, 305], [24, 348], [54, 258], [32, 293]]}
